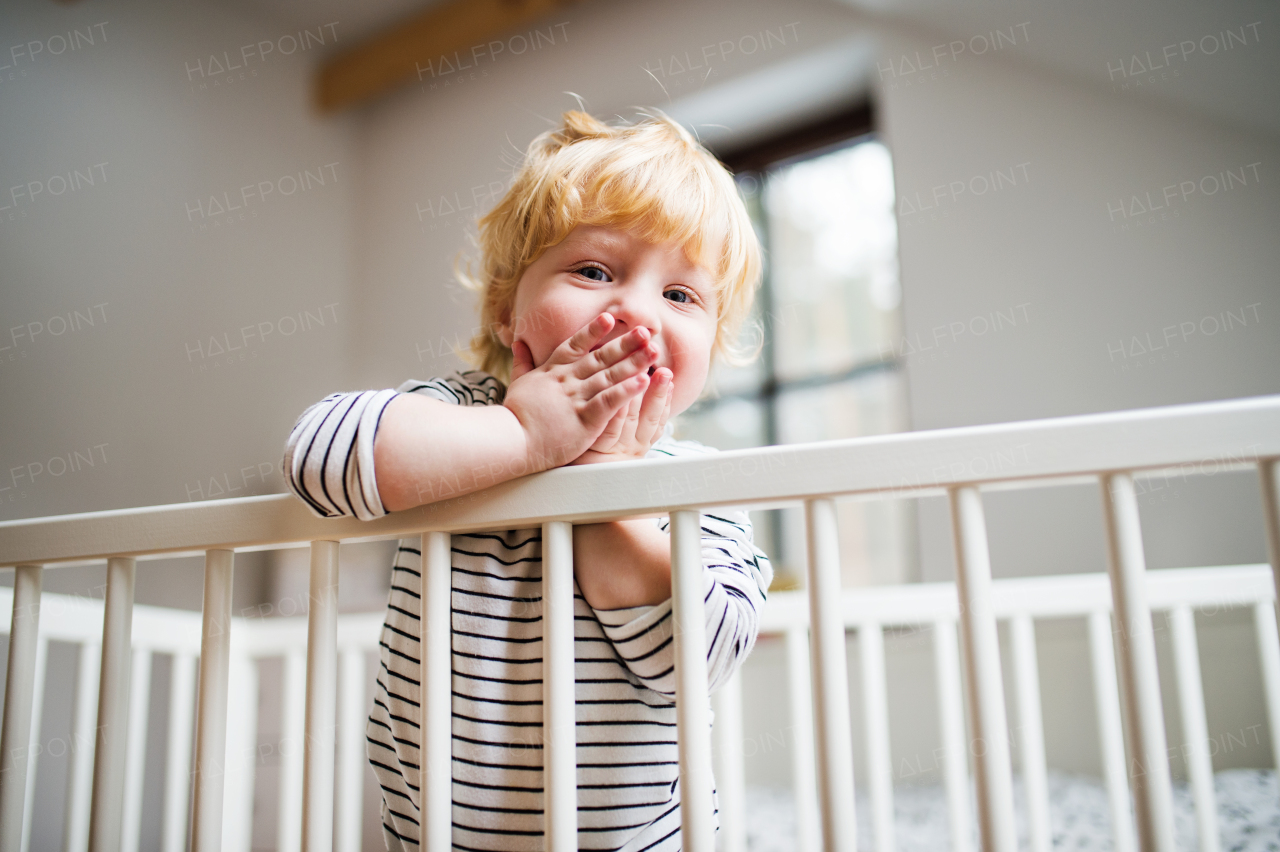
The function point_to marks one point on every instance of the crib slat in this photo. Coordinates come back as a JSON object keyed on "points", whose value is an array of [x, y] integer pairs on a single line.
{"points": [[1264, 621], [106, 816], [831, 679], [981, 648], [291, 745], [955, 766], [33, 744], [1106, 697], [1031, 730], [75, 827], [211, 700], [437, 703], [1195, 731], [136, 752], [800, 693], [322, 682], [559, 733], [1269, 479], [177, 778], [875, 703], [19, 695], [693, 705], [242, 740], [730, 765], [350, 750], [34, 749], [1152, 785]]}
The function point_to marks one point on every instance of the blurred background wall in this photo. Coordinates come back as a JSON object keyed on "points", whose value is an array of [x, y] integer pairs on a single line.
{"points": [[193, 253]]}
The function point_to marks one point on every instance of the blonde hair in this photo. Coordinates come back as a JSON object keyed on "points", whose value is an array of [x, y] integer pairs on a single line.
{"points": [[651, 176]]}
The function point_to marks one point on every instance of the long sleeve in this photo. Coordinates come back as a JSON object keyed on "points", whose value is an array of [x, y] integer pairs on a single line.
{"points": [[328, 459], [736, 575]]}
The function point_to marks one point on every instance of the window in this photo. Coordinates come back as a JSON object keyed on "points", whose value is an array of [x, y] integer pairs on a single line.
{"points": [[829, 310]]}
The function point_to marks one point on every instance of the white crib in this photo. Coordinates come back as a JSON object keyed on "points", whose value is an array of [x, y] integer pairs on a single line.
{"points": [[105, 781]]}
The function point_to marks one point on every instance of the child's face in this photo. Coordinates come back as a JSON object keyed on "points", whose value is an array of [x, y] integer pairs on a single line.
{"points": [[600, 268]]}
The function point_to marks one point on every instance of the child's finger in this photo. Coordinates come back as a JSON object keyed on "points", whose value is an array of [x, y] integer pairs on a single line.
{"points": [[582, 340], [612, 352], [633, 412], [612, 432], [656, 402], [521, 359], [637, 362], [666, 411], [607, 402]]}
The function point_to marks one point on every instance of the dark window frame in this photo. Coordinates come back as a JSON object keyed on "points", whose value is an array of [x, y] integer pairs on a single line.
{"points": [[801, 142]]}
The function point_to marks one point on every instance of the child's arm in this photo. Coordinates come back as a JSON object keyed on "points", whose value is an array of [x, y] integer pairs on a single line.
{"points": [[369, 453], [551, 415], [736, 576], [620, 564]]}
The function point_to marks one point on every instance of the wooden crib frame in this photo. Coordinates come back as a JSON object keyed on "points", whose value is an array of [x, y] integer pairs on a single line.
{"points": [[1108, 449]]}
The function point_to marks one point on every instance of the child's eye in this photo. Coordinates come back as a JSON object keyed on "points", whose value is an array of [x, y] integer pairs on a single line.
{"points": [[593, 273], [677, 295]]}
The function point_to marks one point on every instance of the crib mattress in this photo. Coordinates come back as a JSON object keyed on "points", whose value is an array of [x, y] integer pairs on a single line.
{"points": [[1080, 818]]}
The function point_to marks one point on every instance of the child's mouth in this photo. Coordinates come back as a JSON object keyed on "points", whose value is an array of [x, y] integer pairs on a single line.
{"points": [[651, 370]]}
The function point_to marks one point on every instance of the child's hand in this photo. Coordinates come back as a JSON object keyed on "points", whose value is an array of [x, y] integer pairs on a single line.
{"points": [[634, 429], [566, 403]]}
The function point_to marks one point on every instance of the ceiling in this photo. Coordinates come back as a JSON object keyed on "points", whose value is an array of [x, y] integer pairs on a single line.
{"points": [[1092, 40], [1085, 40], [359, 18]]}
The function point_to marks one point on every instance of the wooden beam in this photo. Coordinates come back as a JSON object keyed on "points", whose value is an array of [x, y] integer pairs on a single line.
{"points": [[395, 57]]}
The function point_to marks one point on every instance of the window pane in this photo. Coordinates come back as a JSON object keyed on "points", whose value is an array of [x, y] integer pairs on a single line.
{"points": [[871, 404], [726, 424], [833, 245], [726, 379]]}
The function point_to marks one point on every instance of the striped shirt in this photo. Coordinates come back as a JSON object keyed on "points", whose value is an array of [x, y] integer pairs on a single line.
{"points": [[628, 775]]}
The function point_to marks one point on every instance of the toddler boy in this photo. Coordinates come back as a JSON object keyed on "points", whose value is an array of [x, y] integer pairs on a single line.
{"points": [[620, 262]]}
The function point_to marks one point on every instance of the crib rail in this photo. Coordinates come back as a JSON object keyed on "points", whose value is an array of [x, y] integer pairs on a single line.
{"points": [[1108, 449]]}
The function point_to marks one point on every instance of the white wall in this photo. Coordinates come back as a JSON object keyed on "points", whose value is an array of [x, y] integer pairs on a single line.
{"points": [[1087, 284], [139, 392]]}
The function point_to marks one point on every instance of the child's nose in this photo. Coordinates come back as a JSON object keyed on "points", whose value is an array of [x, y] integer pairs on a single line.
{"points": [[634, 309]]}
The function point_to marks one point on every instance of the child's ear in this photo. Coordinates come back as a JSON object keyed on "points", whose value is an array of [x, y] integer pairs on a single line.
{"points": [[503, 329]]}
